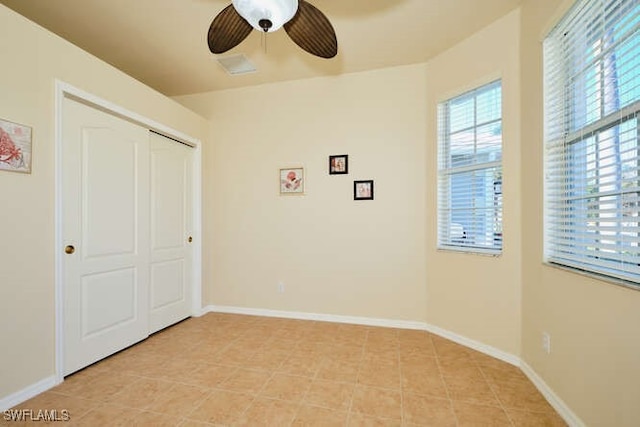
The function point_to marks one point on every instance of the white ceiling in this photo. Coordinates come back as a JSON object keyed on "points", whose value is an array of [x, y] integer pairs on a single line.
{"points": [[163, 42]]}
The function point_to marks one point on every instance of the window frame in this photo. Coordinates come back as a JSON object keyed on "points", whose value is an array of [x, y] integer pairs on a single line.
{"points": [[445, 173], [578, 235]]}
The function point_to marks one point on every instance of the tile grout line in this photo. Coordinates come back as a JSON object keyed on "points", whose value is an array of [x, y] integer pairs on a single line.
{"points": [[355, 385], [444, 382], [402, 420], [215, 388], [304, 397], [495, 395], [273, 374], [200, 402]]}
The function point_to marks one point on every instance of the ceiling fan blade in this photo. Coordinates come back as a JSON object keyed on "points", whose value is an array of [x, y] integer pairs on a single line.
{"points": [[227, 30], [312, 31]]}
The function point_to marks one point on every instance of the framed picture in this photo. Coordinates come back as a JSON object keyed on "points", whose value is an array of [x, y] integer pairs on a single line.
{"points": [[339, 165], [15, 147], [291, 181], [363, 190]]}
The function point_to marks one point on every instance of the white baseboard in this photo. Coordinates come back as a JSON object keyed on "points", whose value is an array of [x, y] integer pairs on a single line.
{"points": [[476, 345], [554, 400], [27, 393], [367, 321], [199, 312], [385, 323]]}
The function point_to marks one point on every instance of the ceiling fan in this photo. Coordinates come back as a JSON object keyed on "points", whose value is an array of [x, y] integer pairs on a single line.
{"points": [[304, 23]]}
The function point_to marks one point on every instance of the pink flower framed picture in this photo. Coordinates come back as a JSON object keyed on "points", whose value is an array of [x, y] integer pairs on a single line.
{"points": [[292, 181], [15, 147]]}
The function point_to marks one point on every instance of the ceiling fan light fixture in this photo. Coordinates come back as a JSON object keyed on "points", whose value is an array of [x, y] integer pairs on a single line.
{"points": [[259, 13]]}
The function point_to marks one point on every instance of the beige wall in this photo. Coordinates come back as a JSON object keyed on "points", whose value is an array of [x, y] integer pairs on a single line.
{"points": [[334, 255], [31, 59], [594, 365], [478, 296]]}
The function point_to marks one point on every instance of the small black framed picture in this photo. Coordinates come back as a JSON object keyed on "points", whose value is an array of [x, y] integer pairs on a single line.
{"points": [[363, 190], [339, 165]]}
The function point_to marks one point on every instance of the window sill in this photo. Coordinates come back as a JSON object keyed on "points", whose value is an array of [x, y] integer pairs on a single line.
{"points": [[600, 277], [470, 251]]}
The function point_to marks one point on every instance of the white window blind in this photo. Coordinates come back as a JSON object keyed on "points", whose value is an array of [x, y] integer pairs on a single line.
{"points": [[470, 171], [592, 164]]}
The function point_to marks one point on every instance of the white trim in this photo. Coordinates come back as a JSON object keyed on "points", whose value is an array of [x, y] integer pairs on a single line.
{"points": [[110, 107], [558, 404], [58, 240], [196, 274], [63, 90], [27, 393], [469, 250], [385, 323], [403, 324], [476, 345]]}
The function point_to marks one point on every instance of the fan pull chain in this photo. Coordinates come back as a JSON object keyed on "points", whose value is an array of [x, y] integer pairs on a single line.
{"points": [[264, 41]]}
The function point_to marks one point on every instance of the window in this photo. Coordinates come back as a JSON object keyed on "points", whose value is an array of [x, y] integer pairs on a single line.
{"points": [[592, 164], [470, 171]]}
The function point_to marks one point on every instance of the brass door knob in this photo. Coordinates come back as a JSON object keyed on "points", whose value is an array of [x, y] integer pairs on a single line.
{"points": [[69, 249], [190, 239]]}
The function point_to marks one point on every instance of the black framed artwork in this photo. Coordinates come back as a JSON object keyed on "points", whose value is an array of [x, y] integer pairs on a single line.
{"points": [[339, 165], [363, 190]]}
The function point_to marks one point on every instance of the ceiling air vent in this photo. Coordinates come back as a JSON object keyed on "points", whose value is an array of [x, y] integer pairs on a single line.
{"points": [[237, 64]]}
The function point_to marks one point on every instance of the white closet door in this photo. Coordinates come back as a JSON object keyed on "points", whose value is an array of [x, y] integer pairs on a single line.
{"points": [[171, 228], [106, 233]]}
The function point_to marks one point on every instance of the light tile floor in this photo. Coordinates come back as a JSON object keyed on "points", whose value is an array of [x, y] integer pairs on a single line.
{"points": [[253, 371]]}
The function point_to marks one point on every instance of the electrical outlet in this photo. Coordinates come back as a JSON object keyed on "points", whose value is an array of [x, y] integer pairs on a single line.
{"points": [[280, 287], [546, 342]]}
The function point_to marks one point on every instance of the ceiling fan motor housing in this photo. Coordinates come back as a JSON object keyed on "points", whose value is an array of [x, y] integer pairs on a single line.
{"points": [[261, 13], [265, 24]]}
